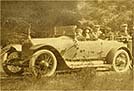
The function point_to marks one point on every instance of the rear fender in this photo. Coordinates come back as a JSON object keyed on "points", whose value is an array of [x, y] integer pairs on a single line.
{"points": [[110, 55], [129, 52]]}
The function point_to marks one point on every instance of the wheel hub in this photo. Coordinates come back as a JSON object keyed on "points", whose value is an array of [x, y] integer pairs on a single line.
{"points": [[121, 61], [44, 63]]}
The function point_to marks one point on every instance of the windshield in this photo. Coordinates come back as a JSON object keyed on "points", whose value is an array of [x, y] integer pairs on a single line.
{"points": [[64, 31]]}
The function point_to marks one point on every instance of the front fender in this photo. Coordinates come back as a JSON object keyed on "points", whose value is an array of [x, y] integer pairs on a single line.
{"points": [[60, 60], [35, 47], [38, 46], [18, 47], [11, 47]]}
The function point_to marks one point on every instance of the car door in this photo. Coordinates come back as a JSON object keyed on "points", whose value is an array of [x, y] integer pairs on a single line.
{"points": [[89, 49]]}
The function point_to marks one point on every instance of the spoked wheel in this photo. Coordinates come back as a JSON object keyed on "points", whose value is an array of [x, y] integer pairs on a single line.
{"points": [[10, 55], [121, 61], [43, 63], [11, 67]]}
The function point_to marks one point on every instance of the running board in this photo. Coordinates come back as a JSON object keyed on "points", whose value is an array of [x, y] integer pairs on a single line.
{"points": [[83, 64]]}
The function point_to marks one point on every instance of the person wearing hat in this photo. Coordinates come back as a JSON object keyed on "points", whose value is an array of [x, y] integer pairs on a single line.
{"points": [[97, 33], [78, 34], [87, 33], [124, 31]]}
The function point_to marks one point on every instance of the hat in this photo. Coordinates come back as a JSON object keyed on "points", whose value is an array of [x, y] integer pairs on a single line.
{"points": [[124, 25], [97, 26], [89, 28]]}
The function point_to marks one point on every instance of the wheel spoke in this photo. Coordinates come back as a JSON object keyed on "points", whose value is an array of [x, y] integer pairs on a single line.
{"points": [[37, 70], [37, 66], [117, 61], [40, 70], [45, 70], [41, 57], [122, 55], [48, 58]]}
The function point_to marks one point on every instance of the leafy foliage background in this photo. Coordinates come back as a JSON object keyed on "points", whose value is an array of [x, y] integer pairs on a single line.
{"points": [[44, 15]]}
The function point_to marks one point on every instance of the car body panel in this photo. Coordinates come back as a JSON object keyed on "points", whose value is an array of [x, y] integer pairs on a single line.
{"points": [[18, 47], [75, 53], [78, 50], [60, 43], [109, 45], [88, 50]]}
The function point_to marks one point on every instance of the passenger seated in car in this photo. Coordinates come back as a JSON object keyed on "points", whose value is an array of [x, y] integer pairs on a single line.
{"points": [[87, 33], [78, 34], [96, 32], [124, 31]]}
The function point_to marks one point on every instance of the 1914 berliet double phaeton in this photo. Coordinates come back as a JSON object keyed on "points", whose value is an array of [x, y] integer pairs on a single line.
{"points": [[45, 56]]}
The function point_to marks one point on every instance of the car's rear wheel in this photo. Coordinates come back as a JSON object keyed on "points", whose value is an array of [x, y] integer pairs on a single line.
{"points": [[121, 61], [43, 63]]}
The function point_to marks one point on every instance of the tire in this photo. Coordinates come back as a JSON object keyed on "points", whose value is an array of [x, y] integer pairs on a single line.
{"points": [[43, 63], [10, 58], [10, 55], [12, 70], [121, 58]]}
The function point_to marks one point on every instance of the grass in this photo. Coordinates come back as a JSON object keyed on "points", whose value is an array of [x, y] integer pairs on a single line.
{"points": [[83, 80]]}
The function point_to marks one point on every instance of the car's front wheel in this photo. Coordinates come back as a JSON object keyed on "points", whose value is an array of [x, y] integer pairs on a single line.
{"points": [[121, 61], [9, 64], [11, 68], [43, 63]]}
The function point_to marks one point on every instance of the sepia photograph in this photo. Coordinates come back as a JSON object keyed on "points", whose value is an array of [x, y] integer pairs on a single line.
{"points": [[76, 45]]}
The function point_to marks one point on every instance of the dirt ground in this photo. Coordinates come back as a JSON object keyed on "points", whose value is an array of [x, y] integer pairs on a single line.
{"points": [[82, 80]]}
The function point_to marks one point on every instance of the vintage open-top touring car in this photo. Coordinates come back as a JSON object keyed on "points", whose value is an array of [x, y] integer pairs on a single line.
{"points": [[45, 56]]}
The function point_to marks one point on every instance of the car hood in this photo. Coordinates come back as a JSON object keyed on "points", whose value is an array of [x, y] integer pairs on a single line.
{"points": [[58, 43]]}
